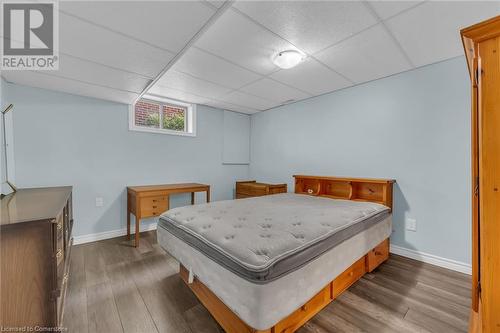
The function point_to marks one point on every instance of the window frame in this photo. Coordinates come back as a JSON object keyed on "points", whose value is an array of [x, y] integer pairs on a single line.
{"points": [[190, 117]]}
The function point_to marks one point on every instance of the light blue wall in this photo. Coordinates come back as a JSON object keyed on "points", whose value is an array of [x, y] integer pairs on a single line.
{"points": [[2, 146], [413, 127], [236, 146], [4, 187], [64, 139]]}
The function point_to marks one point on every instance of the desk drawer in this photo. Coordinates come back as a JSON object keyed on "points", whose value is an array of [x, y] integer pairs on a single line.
{"points": [[153, 206]]}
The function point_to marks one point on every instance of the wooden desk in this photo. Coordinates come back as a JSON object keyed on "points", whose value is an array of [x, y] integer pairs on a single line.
{"points": [[153, 200]]}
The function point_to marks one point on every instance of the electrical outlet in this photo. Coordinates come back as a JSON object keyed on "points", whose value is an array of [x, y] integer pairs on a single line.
{"points": [[411, 224], [99, 201]]}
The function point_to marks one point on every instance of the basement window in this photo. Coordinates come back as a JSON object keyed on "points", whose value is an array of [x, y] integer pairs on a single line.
{"points": [[162, 115]]}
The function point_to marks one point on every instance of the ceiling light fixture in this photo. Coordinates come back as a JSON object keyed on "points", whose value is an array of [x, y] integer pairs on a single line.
{"points": [[288, 59]]}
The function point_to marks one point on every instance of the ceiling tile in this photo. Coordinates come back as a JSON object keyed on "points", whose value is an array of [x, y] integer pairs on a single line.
{"points": [[228, 106], [185, 82], [369, 55], [386, 9], [430, 32], [310, 25], [274, 91], [216, 3], [312, 76], [179, 95], [85, 40], [214, 69], [167, 24], [52, 82], [247, 101], [89, 72], [238, 39]]}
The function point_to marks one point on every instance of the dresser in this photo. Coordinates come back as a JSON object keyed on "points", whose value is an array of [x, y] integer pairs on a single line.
{"points": [[482, 50], [251, 188], [35, 243]]}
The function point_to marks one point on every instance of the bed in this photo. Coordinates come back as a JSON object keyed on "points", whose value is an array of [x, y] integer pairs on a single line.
{"points": [[268, 264]]}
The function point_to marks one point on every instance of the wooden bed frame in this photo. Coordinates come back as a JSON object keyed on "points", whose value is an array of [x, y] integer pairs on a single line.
{"points": [[359, 189]]}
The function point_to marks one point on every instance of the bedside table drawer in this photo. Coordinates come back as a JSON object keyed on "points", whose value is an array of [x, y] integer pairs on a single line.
{"points": [[251, 189], [247, 189], [153, 206]]}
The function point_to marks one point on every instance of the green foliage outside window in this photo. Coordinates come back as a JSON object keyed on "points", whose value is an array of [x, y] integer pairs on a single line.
{"points": [[153, 120], [174, 122]]}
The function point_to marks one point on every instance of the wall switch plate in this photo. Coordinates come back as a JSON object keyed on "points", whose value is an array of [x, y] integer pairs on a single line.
{"points": [[411, 224], [99, 201]]}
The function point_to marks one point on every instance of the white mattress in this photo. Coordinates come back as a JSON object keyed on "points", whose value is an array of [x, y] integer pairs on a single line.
{"points": [[263, 305], [264, 238]]}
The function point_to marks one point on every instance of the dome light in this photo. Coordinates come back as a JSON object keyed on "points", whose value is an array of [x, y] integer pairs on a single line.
{"points": [[288, 59]]}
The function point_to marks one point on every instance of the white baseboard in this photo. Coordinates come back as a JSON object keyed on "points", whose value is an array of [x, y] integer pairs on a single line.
{"points": [[417, 255], [432, 259], [108, 234]]}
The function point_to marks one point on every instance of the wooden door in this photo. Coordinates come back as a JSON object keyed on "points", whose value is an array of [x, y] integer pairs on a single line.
{"points": [[489, 180], [475, 188]]}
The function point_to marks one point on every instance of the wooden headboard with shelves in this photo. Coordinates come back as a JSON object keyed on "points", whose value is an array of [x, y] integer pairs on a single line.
{"points": [[358, 189]]}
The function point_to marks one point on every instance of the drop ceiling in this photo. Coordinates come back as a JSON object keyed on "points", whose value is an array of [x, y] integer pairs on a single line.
{"points": [[219, 54]]}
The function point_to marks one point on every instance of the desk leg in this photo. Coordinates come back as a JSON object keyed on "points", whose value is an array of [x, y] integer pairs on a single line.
{"points": [[192, 198], [137, 231], [137, 221], [128, 216], [208, 195]]}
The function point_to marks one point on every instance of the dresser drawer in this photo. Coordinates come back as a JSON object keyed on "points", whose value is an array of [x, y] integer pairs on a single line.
{"points": [[59, 227], [61, 299], [59, 255], [58, 245], [304, 313], [348, 277], [153, 206], [377, 256], [62, 283]]}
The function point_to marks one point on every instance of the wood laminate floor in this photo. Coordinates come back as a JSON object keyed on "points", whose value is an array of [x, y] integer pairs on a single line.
{"points": [[115, 287]]}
